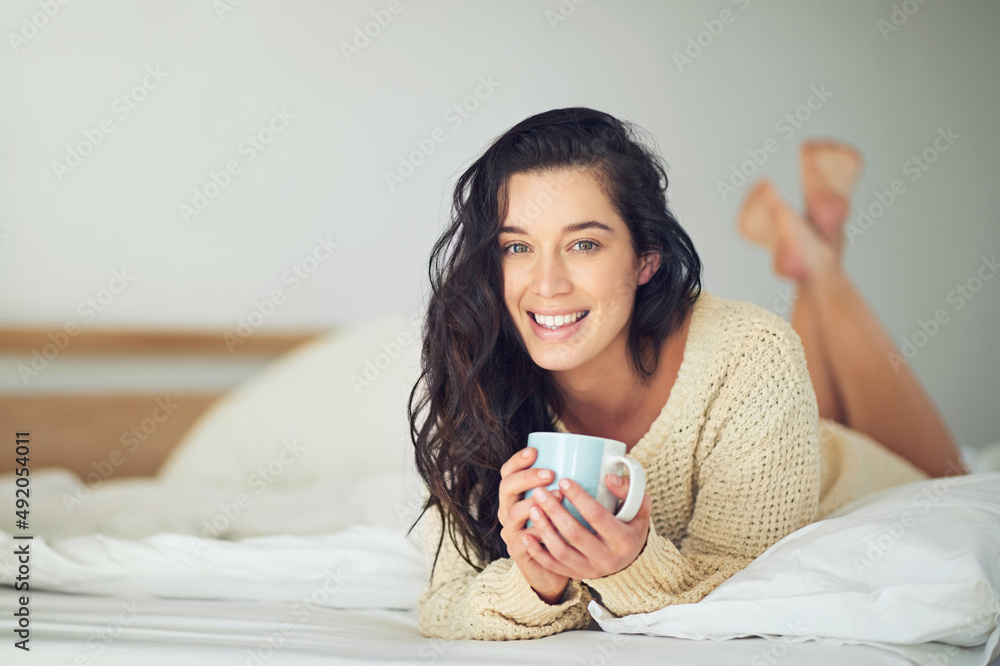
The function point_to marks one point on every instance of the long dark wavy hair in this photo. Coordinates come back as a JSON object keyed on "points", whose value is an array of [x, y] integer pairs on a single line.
{"points": [[479, 393]]}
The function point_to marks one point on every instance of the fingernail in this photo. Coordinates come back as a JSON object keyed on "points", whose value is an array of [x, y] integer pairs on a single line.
{"points": [[534, 513], [616, 481], [526, 453], [541, 494], [564, 484]]}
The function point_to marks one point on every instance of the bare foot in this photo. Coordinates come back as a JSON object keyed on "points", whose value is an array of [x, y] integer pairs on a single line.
{"points": [[830, 170], [799, 252]]}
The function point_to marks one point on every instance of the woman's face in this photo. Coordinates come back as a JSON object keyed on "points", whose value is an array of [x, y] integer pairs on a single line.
{"points": [[567, 256]]}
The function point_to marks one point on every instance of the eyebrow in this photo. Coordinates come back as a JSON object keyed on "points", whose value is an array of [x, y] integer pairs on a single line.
{"points": [[568, 229]]}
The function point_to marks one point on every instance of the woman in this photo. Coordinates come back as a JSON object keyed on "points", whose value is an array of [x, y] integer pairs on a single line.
{"points": [[567, 297]]}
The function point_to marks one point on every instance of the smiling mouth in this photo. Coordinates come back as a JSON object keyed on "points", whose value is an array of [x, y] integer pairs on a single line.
{"points": [[558, 321]]}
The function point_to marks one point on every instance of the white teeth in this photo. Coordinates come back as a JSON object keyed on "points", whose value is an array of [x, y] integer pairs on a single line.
{"points": [[559, 320]]}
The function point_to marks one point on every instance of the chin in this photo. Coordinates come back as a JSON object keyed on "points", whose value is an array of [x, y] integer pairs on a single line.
{"points": [[556, 360], [544, 364]]}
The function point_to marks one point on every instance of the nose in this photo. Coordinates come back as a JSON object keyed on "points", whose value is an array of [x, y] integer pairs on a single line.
{"points": [[550, 277]]}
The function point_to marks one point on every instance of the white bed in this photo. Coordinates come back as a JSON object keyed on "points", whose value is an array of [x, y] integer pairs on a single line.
{"points": [[226, 632], [207, 564], [349, 596]]}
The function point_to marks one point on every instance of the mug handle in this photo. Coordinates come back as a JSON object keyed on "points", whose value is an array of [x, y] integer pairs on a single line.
{"points": [[636, 488]]}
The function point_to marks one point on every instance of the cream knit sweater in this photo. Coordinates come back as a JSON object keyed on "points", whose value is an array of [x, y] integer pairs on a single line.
{"points": [[737, 459]]}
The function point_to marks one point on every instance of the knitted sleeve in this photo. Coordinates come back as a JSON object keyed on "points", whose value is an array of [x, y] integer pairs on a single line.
{"points": [[756, 474], [494, 604]]}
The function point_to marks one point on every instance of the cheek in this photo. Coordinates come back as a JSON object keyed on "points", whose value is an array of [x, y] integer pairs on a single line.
{"points": [[612, 284], [617, 297], [513, 288], [511, 297]]}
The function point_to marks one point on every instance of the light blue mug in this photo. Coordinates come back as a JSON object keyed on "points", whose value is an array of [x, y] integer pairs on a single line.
{"points": [[586, 460]]}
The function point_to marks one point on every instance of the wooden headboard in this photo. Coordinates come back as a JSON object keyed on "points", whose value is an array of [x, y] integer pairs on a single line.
{"points": [[83, 430]]}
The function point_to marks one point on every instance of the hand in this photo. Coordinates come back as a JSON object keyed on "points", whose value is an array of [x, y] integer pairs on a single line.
{"points": [[566, 547], [516, 479]]}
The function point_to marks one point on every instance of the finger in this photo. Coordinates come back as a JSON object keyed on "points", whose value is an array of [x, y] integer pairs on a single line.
{"points": [[621, 489], [513, 488], [521, 482], [646, 508], [600, 518], [569, 528], [518, 461], [526, 479], [537, 551], [519, 514], [555, 546]]}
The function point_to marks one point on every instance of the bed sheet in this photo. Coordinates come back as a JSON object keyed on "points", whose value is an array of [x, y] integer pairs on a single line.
{"points": [[108, 626], [84, 630]]}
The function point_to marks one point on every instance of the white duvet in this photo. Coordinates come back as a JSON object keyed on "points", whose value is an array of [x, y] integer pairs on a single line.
{"points": [[149, 538], [915, 569]]}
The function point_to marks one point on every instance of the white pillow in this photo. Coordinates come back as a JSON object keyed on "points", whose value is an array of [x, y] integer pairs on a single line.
{"points": [[332, 410], [901, 568]]}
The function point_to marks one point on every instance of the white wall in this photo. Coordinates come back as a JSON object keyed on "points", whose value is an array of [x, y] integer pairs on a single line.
{"points": [[223, 74]]}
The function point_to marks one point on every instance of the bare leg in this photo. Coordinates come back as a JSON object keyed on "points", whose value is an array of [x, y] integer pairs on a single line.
{"points": [[830, 169], [889, 405], [827, 395], [758, 222]]}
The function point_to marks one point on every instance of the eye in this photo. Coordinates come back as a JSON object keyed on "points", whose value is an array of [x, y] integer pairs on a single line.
{"points": [[590, 245], [508, 246]]}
